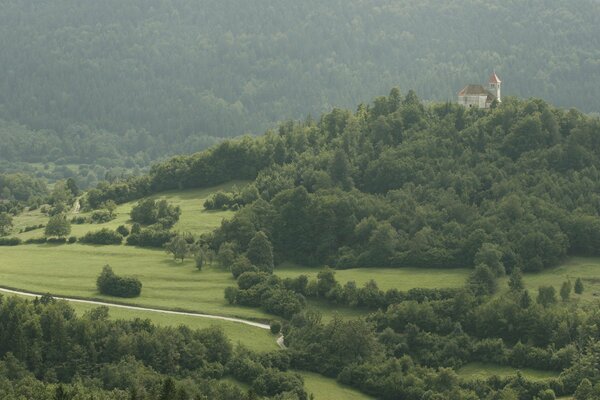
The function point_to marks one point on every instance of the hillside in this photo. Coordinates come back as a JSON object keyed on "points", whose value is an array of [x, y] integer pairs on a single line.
{"points": [[122, 84], [401, 184], [461, 242]]}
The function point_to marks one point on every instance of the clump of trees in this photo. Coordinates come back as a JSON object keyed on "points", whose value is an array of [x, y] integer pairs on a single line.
{"points": [[113, 285], [127, 359], [150, 212]]}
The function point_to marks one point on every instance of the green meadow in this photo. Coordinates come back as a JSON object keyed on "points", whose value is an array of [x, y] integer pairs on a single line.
{"points": [[194, 218], [478, 370], [387, 278], [320, 387], [71, 270]]}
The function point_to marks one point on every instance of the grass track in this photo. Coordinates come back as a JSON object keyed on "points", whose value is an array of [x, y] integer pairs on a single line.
{"points": [[478, 370], [388, 278], [329, 389]]}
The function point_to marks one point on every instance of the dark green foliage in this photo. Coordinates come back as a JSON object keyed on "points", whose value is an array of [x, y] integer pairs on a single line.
{"points": [[123, 230], [546, 295], [104, 236], [6, 223], [15, 241], [260, 252], [101, 216], [565, 290], [259, 289], [579, 286], [67, 106], [94, 357], [275, 327], [150, 237], [232, 200], [110, 284], [515, 280], [148, 212], [483, 281], [58, 225]]}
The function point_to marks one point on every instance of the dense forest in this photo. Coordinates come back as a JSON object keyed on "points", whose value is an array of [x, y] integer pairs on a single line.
{"points": [[397, 183], [126, 83]]}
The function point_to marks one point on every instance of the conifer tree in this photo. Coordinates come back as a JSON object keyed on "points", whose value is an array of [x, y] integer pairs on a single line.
{"points": [[260, 252]]}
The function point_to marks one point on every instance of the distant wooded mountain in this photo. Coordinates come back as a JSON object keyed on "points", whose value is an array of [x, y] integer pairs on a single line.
{"points": [[133, 81]]}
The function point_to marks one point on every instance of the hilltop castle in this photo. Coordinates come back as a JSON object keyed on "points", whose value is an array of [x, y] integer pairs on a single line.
{"points": [[480, 97]]}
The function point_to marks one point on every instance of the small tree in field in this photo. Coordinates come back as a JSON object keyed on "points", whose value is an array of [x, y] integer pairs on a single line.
{"points": [[58, 226], [178, 247], [578, 286]]}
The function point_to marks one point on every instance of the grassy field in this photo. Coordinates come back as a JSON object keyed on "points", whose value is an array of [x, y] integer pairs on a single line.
{"points": [[588, 269], [482, 371], [321, 387], [387, 278], [328, 389], [194, 218], [71, 270]]}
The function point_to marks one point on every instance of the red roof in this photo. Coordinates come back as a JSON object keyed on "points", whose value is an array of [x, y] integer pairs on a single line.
{"points": [[494, 78]]}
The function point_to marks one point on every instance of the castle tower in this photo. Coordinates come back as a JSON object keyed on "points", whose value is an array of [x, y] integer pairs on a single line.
{"points": [[495, 84]]}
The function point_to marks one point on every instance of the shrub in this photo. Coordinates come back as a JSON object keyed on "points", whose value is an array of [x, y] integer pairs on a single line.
{"points": [[110, 284], [123, 231], [149, 237], [79, 220], [101, 216], [56, 240], [14, 241], [275, 327], [39, 240], [104, 236], [72, 239]]}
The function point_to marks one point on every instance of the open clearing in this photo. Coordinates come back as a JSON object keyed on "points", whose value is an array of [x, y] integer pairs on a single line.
{"points": [[329, 389], [321, 387], [387, 278], [71, 270], [483, 371], [194, 218]]}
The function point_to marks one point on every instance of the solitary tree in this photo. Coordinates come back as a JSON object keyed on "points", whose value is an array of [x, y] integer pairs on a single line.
{"points": [[483, 280], [578, 286], [565, 290], [6, 224], [58, 226], [491, 256], [515, 282], [178, 247], [260, 252], [525, 300]]}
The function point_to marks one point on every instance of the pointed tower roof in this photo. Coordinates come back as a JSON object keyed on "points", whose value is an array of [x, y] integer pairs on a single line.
{"points": [[494, 78]]}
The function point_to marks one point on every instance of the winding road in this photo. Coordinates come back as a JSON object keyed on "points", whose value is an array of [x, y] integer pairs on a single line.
{"points": [[188, 314]]}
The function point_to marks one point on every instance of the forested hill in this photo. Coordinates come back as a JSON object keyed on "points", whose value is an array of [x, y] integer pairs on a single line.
{"points": [[139, 79], [399, 183]]}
